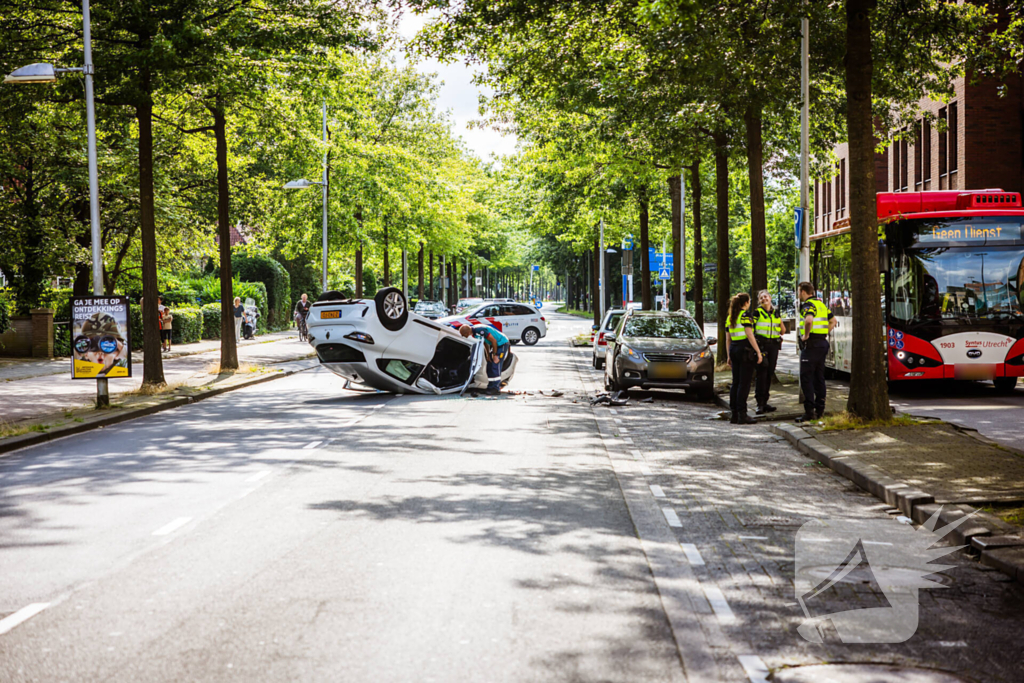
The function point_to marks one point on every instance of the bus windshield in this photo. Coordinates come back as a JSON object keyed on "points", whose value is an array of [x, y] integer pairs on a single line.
{"points": [[957, 283]]}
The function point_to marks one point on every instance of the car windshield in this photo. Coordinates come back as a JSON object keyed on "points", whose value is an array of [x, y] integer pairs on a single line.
{"points": [[666, 327], [962, 284], [427, 306]]}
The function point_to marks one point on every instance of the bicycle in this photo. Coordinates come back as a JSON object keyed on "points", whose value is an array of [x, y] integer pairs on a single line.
{"points": [[300, 322]]}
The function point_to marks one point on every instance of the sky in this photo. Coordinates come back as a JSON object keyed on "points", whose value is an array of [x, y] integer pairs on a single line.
{"points": [[460, 97]]}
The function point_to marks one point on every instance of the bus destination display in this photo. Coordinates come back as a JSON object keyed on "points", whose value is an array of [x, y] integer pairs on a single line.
{"points": [[970, 232]]}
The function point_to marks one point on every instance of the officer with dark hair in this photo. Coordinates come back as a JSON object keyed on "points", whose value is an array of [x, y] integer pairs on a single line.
{"points": [[768, 328], [818, 321]]}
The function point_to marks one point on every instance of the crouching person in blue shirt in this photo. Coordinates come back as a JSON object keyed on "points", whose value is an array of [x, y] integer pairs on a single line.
{"points": [[495, 346]]}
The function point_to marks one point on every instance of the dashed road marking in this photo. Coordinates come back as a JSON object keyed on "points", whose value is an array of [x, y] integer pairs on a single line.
{"points": [[312, 444], [952, 643], [719, 605], [646, 471], [637, 455], [257, 476], [21, 616], [693, 555], [628, 440], [671, 517], [171, 527], [656, 490], [755, 668], [753, 538]]}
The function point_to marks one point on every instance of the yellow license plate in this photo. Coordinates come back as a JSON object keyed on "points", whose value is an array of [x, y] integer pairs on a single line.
{"points": [[330, 314], [666, 370]]}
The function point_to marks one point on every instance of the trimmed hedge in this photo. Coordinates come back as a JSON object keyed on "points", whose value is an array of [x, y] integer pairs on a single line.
{"points": [[187, 326], [211, 321], [257, 268]]}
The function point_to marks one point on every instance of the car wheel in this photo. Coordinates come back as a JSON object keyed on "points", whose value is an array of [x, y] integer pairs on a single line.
{"points": [[392, 309], [597, 362], [609, 382], [1005, 385], [531, 335]]}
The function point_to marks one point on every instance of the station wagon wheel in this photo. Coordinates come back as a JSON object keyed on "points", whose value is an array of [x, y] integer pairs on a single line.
{"points": [[531, 335], [392, 308]]}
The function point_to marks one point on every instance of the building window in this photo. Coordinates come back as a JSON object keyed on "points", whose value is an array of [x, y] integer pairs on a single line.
{"points": [[903, 164], [942, 142], [842, 184], [918, 150], [817, 207], [826, 195], [953, 145], [896, 166], [926, 149]]}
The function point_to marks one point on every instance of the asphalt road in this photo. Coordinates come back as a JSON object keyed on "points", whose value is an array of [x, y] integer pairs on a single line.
{"points": [[295, 531]]}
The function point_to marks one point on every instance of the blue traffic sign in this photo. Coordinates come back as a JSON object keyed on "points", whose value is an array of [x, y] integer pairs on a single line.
{"points": [[536, 268], [660, 261], [798, 224], [663, 274]]}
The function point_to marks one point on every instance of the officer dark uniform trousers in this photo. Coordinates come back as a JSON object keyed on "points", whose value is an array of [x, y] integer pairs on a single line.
{"points": [[812, 357], [743, 359], [767, 326]]}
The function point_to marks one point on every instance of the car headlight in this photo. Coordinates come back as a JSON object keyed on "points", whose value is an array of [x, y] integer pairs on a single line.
{"points": [[630, 352], [702, 355]]}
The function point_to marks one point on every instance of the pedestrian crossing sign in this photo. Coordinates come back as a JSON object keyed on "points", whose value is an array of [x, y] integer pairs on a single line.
{"points": [[663, 274]]}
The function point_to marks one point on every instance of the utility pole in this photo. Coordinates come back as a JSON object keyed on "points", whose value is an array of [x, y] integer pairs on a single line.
{"points": [[600, 277], [324, 188], [804, 270]]}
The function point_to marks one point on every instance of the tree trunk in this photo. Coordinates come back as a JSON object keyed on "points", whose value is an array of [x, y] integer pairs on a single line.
{"points": [[698, 247], [153, 362], [755, 160], [675, 192], [869, 397], [722, 206], [420, 280], [431, 275], [387, 257], [359, 254], [645, 255], [228, 349]]}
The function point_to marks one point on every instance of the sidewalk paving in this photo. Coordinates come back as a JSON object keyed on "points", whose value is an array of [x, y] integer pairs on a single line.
{"points": [[41, 397]]}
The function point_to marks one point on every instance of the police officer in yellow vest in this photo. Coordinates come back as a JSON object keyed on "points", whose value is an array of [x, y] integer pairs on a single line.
{"points": [[768, 328], [742, 355], [818, 322]]}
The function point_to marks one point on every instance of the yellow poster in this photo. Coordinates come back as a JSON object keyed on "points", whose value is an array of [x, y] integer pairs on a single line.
{"points": [[101, 342]]}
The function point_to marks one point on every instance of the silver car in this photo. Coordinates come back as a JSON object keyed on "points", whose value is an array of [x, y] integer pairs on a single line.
{"points": [[655, 350]]}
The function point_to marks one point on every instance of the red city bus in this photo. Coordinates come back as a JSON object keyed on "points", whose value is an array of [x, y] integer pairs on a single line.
{"points": [[952, 265]]}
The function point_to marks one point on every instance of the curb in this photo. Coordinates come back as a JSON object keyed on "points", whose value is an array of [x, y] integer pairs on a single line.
{"points": [[35, 438], [766, 418], [986, 534]]}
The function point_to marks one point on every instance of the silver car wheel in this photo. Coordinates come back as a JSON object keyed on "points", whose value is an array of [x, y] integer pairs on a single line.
{"points": [[530, 337], [394, 305]]}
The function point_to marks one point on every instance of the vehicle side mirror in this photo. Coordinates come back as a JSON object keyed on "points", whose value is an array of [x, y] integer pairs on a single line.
{"points": [[610, 337], [593, 328], [712, 341]]}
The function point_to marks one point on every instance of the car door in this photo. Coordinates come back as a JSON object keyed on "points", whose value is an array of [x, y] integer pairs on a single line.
{"points": [[489, 315], [511, 321]]}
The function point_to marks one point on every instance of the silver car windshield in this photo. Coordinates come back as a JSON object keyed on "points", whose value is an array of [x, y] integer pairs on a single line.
{"points": [[662, 327]]}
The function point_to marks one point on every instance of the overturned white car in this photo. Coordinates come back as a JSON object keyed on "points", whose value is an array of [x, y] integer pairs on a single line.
{"points": [[379, 342]]}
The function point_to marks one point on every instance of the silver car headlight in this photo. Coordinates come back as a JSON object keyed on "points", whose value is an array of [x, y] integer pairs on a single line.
{"points": [[631, 353]]}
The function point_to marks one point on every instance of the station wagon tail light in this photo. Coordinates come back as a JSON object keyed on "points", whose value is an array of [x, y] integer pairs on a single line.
{"points": [[543, 318], [601, 341], [359, 337]]}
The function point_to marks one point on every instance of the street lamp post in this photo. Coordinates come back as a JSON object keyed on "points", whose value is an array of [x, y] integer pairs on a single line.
{"points": [[47, 73], [302, 184]]}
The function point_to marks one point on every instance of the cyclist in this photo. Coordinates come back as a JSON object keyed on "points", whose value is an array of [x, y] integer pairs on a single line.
{"points": [[301, 312]]}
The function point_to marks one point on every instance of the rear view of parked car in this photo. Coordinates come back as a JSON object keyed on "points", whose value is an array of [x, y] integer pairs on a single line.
{"points": [[654, 350], [608, 324]]}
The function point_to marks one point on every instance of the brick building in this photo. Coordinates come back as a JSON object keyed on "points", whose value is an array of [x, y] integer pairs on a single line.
{"points": [[982, 146]]}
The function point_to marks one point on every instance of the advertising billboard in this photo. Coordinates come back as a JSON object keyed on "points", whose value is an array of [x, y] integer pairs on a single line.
{"points": [[100, 337]]}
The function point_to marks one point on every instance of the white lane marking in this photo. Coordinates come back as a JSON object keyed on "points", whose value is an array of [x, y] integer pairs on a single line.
{"points": [[257, 476], [875, 543], [719, 605], [671, 517], [637, 455], [617, 420], [613, 411], [22, 615], [755, 668], [656, 490], [753, 538], [952, 643], [693, 555], [628, 440], [171, 527], [311, 444], [646, 471], [623, 431]]}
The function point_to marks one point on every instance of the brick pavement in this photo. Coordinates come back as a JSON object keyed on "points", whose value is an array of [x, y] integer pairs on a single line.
{"points": [[740, 494]]}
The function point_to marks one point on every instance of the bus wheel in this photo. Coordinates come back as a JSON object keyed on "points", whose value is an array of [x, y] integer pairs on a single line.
{"points": [[1005, 385]]}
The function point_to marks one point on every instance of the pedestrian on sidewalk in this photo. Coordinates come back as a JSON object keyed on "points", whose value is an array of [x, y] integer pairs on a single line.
{"points": [[742, 355], [166, 324], [496, 346], [818, 322], [239, 311], [768, 330]]}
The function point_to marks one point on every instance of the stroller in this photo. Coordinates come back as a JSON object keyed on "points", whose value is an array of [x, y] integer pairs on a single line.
{"points": [[249, 319]]}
